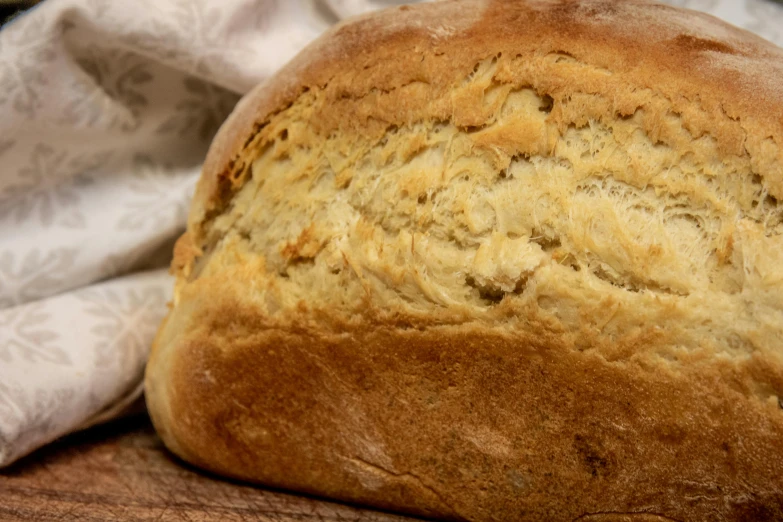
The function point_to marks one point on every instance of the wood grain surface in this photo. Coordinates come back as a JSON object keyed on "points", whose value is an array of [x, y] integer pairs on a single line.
{"points": [[121, 471]]}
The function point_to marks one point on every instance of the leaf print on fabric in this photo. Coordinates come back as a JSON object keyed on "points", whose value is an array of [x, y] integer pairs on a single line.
{"points": [[40, 424], [110, 91], [158, 200], [29, 200], [156, 35], [25, 48], [29, 417], [202, 112], [126, 323], [11, 404], [24, 334], [34, 275], [49, 190], [25, 403], [198, 37], [45, 163], [200, 22]]}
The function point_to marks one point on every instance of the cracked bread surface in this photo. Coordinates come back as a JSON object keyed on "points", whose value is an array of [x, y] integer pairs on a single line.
{"points": [[493, 260]]}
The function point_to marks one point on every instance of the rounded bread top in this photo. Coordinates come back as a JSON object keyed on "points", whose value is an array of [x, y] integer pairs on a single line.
{"points": [[702, 65]]}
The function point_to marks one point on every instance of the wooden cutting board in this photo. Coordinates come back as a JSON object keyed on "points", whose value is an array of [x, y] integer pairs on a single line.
{"points": [[121, 471]]}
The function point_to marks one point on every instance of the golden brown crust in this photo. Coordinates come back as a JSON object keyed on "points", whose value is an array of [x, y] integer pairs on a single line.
{"points": [[577, 398], [685, 55], [471, 423]]}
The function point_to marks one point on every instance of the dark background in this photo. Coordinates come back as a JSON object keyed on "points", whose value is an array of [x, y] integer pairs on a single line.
{"points": [[9, 8]]}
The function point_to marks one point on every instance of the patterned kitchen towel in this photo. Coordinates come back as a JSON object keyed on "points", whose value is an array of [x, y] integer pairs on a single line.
{"points": [[107, 112]]}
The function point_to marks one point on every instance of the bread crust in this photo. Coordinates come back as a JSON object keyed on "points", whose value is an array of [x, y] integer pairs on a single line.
{"points": [[685, 55], [466, 422], [448, 413]]}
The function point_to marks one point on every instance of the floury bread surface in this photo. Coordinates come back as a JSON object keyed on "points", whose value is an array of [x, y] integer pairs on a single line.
{"points": [[510, 260]]}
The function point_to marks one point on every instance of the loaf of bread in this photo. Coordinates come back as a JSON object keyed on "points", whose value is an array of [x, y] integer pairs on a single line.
{"points": [[494, 260]]}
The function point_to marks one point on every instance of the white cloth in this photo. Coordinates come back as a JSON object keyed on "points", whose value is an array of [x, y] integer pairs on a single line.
{"points": [[107, 112]]}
